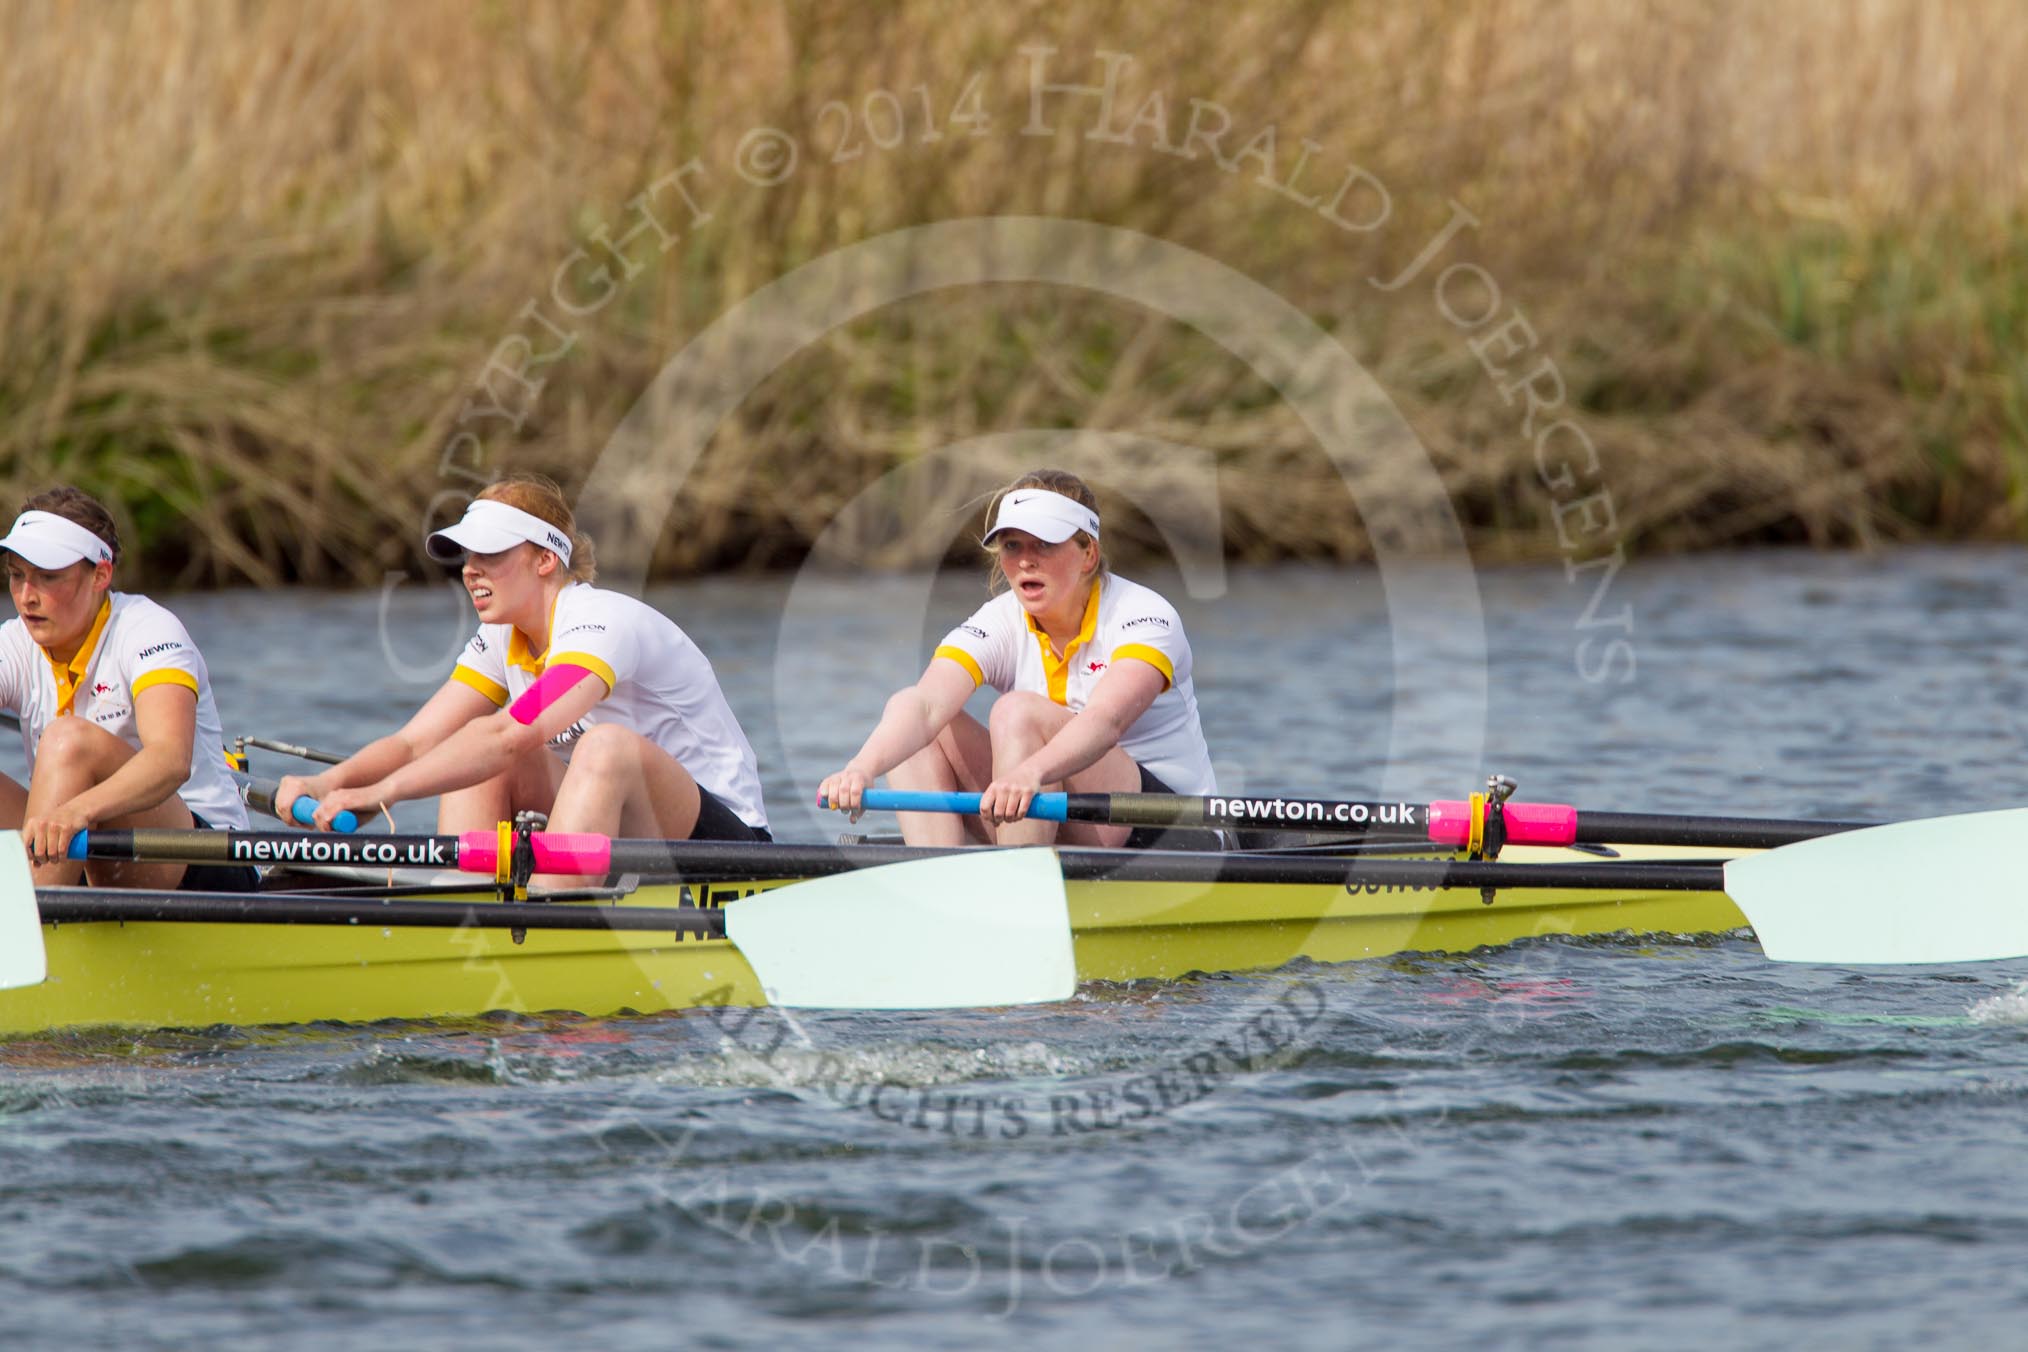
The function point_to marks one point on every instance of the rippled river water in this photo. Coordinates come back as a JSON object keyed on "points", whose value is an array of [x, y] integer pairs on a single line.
{"points": [[1618, 1142]]}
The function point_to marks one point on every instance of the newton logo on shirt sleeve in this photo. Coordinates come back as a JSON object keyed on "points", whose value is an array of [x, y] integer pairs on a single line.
{"points": [[1147, 622], [158, 648], [974, 630]]}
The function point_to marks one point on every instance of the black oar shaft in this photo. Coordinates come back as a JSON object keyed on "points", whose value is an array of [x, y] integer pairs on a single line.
{"points": [[275, 847], [83, 904], [1410, 821], [1724, 833], [726, 861], [733, 863], [1407, 821], [1368, 873]]}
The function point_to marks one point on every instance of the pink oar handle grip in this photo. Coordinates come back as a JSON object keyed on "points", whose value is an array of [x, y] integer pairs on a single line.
{"points": [[1450, 823], [555, 852]]}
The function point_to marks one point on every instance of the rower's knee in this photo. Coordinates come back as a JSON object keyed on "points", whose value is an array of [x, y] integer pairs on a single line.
{"points": [[605, 745], [71, 740], [1023, 716]]}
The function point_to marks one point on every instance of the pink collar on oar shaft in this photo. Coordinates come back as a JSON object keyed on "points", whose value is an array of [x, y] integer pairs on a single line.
{"points": [[572, 852], [1450, 823]]}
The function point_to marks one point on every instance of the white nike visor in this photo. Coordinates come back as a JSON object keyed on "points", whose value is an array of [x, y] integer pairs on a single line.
{"points": [[1049, 517], [489, 527], [50, 541]]}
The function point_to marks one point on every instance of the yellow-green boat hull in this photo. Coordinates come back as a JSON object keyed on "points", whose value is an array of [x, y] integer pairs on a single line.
{"points": [[162, 974]]}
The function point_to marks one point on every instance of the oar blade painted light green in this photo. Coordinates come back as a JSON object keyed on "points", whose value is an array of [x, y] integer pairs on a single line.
{"points": [[22, 961], [958, 931], [1934, 890]]}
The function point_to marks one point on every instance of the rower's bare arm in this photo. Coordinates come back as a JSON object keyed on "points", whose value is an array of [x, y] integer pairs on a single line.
{"points": [[484, 747], [165, 717], [453, 706], [1119, 699], [912, 719], [914, 716]]}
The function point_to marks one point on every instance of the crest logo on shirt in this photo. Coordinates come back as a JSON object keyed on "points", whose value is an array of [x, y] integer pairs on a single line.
{"points": [[1094, 665], [102, 689]]}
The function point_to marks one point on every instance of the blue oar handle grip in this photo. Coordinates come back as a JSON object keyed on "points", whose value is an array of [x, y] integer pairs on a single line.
{"points": [[304, 810], [1044, 807]]}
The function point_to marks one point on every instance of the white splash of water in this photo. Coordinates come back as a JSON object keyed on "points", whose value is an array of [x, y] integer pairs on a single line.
{"points": [[2011, 1007]]}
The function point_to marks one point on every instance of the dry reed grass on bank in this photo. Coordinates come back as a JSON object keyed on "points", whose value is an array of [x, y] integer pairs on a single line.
{"points": [[252, 258]]}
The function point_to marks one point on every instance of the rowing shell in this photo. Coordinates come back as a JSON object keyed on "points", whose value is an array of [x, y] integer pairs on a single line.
{"points": [[183, 973]]}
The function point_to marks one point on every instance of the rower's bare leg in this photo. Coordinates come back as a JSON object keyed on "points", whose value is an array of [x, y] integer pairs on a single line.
{"points": [[74, 756], [1022, 723], [621, 784], [960, 760], [529, 784]]}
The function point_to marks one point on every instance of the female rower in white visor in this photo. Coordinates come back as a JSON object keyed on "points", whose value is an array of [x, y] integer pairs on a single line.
{"points": [[115, 705], [1094, 675], [583, 704]]}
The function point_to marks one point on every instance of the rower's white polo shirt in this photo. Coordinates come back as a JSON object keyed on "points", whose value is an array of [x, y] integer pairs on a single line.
{"points": [[134, 646], [658, 683], [1123, 621]]}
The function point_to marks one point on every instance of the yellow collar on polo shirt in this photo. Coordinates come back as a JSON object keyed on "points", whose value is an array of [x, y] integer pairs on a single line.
{"points": [[1057, 669], [69, 674], [518, 654]]}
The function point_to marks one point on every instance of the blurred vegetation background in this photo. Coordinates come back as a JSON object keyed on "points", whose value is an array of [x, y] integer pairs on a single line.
{"points": [[254, 257]]}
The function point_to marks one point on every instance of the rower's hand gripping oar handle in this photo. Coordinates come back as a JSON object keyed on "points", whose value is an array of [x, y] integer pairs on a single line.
{"points": [[259, 794], [304, 809]]}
